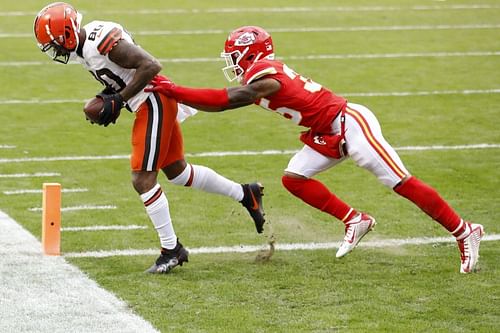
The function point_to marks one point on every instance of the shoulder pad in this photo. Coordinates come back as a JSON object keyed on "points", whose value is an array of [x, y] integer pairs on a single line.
{"points": [[259, 70]]}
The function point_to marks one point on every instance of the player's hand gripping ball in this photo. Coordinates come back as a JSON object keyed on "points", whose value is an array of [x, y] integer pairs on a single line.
{"points": [[93, 109], [103, 109]]}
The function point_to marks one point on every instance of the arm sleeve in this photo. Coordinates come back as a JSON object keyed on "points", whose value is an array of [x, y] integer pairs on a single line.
{"points": [[200, 96]]}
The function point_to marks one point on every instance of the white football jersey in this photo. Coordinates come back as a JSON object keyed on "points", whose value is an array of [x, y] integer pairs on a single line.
{"points": [[100, 38]]}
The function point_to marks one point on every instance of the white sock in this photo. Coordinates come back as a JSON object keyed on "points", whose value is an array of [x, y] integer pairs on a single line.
{"points": [[466, 232], [156, 204], [208, 180]]}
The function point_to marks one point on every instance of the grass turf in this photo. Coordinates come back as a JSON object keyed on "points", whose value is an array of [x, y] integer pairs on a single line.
{"points": [[409, 289]]}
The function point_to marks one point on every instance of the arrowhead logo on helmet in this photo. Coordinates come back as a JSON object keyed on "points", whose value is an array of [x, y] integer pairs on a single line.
{"points": [[246, 39], [243, 47]]}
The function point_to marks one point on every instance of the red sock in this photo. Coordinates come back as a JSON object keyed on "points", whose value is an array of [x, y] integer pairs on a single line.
{"points": [[317, 195], [431, 203]]}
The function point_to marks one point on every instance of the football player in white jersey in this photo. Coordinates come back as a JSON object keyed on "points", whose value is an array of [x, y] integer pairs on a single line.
{"points": [[110, 54], [337, 129]]}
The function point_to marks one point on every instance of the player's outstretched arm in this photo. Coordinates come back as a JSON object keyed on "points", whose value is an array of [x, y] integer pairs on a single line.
{"points": [[216, 100]]}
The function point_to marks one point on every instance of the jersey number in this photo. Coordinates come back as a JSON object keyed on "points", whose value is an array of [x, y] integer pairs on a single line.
{"points": [[93, 34], [288, 113], [309, 84], [109, 79]]}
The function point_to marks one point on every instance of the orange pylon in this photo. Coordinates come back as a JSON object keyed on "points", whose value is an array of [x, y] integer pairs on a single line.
{"points": [[51, 219]]}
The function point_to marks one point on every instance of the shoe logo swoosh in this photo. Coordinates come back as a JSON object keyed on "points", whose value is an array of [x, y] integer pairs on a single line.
{"points": [[351, 240], [255, 205]]}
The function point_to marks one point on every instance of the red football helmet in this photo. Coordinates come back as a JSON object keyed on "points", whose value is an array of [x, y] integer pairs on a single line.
{"points": [[56, 30], [243, 47]]}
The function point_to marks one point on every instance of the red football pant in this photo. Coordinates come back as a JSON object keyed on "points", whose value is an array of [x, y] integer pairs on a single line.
{"points": [[431, 203], [317, 195]]}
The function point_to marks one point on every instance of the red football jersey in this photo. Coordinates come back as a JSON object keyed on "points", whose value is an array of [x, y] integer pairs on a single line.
{"points": [[303, 101]]}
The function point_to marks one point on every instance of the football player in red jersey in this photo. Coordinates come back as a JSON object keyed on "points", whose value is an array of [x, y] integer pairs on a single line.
{"points": [[337, 130], [108, 51]]}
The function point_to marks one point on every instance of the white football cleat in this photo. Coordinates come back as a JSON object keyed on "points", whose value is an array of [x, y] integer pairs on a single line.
{"points": [[355, 230], [469, 248]]}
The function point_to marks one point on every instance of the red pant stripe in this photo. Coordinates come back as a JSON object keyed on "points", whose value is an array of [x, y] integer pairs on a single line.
{"points": [[374, 143]]}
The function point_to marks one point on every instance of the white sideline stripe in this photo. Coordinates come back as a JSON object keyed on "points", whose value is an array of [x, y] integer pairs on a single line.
{"points": [[64, 190], [297, 30], [237, 153], [299, 57], [75, 208], [105, 227], [7, 147], [175, 11], [46, 294], [29, 175], [360, 94], [280, 247]]}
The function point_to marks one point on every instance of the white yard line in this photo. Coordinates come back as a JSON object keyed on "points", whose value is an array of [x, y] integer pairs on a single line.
{"points": [[288, 9], [298, 57], [105, 228], [29, 175], [63, 158], [42, 101], [381, 243], [46, 294], [38, 191], [76, 208], [238, 153], [354, 94], [295, 30]]}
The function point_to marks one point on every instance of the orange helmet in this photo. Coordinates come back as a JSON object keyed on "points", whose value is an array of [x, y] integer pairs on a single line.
{"points": [[243, 47], [56, 30]]}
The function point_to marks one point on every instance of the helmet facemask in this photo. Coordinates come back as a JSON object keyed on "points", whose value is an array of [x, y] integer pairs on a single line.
{"points": [[55, 52], [233, 70]]}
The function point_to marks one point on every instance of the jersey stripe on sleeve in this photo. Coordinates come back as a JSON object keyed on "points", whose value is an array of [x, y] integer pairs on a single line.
{"points": [[109, 41]]}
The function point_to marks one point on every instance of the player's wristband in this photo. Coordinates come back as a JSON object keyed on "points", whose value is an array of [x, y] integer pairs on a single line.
{"points": [[200, 96]]}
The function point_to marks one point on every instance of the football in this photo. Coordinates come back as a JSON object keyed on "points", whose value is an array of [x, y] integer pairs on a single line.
{"points": [[93, 108]]}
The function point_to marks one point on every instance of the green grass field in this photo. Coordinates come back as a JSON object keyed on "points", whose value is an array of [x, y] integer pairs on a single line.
{"points": [[447, 47]]}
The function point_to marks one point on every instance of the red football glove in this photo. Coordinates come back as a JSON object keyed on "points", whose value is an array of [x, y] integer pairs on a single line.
{"points": [[163, 85]]}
